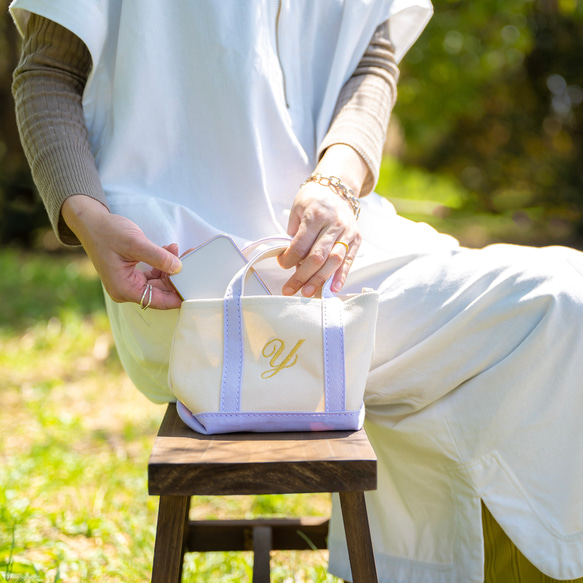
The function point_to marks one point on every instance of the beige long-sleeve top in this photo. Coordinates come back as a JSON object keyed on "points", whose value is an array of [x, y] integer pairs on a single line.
{"points": [[48, 87]]}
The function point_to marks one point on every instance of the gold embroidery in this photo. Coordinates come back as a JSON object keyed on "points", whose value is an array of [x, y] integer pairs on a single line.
{"points": [[274, 349]]}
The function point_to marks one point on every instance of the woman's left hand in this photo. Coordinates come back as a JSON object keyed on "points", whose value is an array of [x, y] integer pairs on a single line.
{"points": [[323, 226]]}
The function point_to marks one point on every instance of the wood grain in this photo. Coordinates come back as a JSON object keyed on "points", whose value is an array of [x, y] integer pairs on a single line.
{"points": [[304, 533], [261, 550], [358, 537], [186, 463], [170, 539]]}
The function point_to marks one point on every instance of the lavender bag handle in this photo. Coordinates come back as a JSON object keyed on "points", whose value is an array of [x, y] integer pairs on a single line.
{"points": [[233, 350]]}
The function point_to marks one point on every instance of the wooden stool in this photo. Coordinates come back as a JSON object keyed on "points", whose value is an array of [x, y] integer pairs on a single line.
{"points": [[184, 463]]}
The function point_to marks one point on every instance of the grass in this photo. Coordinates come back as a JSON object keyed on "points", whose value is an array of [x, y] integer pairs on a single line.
{"points": [[75, 437]]}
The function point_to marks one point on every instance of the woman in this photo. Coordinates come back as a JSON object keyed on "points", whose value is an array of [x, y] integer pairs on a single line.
{"points": [[150, 127]]}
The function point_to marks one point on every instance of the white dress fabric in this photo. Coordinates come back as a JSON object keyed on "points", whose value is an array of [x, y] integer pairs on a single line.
{"points": [[205, 117]]}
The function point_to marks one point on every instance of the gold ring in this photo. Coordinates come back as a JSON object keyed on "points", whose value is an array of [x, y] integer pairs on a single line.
{"points": [[147, 291], [341, 243]]}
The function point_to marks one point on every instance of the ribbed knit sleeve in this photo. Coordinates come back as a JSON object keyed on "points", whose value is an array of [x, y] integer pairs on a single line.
{"points": [[47, 87], [364, 105]]}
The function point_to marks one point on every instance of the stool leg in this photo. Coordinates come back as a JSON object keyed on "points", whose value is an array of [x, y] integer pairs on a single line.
{"points": [[358, 537], [261, 549], [170, 539]]}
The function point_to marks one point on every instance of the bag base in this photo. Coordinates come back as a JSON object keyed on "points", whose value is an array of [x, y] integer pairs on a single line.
{"points": [[265, 422]]}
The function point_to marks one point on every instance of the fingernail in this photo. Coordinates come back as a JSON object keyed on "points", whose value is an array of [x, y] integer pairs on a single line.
{"points": [[309, 291], [176, 267], [336, 286]]}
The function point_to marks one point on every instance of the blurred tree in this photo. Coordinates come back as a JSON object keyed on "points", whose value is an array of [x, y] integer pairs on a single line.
{"points": [[492, 94], [21, 211]]}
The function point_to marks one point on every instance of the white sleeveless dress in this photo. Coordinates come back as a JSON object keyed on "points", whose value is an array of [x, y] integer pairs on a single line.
{"points": [[475, 391]]}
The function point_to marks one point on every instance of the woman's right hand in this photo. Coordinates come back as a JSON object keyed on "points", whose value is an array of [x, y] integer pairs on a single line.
{"points": [[116, 246]]}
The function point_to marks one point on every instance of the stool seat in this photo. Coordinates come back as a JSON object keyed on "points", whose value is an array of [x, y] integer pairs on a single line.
{"points": [[184, 463]]}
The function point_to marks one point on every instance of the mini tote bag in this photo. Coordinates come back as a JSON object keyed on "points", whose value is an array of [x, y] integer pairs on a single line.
{"points": [[272, 362]]}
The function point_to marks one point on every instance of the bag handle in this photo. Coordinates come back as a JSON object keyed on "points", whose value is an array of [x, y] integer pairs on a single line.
{"points": [[250, 247], [233, 351]]}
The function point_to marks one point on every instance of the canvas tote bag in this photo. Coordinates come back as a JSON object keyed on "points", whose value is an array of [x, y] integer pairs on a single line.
{"points": [[272, 362]]}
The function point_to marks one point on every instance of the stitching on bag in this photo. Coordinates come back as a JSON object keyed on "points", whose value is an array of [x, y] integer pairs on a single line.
{"points": [[226, 353], [343, 371], [226, 335], [326, 354], [266, 415], [240, 346], [227, 317]]}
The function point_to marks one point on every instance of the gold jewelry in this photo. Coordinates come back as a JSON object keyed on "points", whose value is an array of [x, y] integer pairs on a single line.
{"points": [[337, 187], [341, 243], [148, 291]]}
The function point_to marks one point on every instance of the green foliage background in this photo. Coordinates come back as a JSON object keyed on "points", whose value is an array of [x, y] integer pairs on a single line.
{"points": [[491, 96]]}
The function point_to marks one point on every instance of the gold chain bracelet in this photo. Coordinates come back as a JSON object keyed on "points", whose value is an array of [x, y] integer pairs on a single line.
{"points": [[337, 187]]}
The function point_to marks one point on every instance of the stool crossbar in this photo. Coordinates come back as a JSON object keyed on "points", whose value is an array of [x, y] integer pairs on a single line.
{"points": [[184, 464]]}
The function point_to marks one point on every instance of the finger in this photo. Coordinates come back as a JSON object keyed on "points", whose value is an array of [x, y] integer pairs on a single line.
{"points": [[188, 251], [158, 257], [322, 261], [173, 248], [132, 286], [338, 265], [340, 277], [165, 300], [342, 273], [157, 273], [162, 283], [333, 266], [299, 248], [294, 223], [156, 297]]}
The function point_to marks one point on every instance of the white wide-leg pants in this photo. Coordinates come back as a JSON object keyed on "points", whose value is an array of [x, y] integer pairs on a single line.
{"points": [[476, 392]]}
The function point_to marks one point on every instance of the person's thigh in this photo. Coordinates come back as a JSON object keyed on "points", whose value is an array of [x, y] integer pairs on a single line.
{"points": [[475, 392], [143, 339], [446, 317]]}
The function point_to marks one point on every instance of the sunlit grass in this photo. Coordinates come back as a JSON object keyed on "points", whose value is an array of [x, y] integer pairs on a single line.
{"points": [[75, 437]]}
